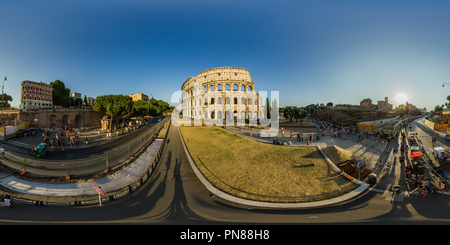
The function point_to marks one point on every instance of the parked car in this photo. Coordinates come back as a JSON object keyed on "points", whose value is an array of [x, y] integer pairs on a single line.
{"points": [[19, 133], [26, 132]]}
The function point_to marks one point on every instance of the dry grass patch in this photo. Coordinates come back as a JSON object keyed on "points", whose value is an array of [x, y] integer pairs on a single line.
{"points": [[337, 154], [263, 172]]}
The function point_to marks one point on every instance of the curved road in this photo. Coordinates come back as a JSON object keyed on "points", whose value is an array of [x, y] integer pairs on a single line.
{"points": [[79, 161], [173, 195]]}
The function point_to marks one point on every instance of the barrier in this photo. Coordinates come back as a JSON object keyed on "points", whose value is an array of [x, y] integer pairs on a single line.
{"points": [[107, 196]]}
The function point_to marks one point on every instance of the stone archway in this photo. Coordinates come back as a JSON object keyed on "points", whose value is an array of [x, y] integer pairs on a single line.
{"points": [[65, 120], [52, 121], [79, 121]]}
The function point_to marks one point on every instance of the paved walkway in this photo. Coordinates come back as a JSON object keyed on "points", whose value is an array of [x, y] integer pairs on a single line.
{"points": [[378, 151]]}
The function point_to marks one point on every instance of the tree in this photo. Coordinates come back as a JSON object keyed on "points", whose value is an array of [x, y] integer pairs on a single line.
{"points": [[61, 94], [78, 101], [114, 105], [297, 114], [268, 108], [330, 104], [141, 108], [5, 100], [85, 100]]}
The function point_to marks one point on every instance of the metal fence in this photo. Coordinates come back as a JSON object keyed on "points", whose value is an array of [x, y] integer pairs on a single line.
{"points": [[108, 196], [113, 160]]}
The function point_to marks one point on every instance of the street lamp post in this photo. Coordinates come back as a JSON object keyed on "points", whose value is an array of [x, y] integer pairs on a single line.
{"points": [[2, 97]]}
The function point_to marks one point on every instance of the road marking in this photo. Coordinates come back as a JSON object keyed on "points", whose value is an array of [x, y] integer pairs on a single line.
{"points": [[396, 197]]}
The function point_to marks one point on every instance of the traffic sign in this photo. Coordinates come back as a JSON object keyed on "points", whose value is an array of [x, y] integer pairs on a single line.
{"points": [[97, 188], [360, 163]]}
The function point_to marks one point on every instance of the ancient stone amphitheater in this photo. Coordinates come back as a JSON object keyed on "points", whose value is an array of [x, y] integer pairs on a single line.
{"points": [[220, 93]]}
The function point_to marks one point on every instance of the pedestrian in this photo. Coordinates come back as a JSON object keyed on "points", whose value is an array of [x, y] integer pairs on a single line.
{"points": [[395, 189], [302, 137], [307, 142], [426, 183], [3, 151], [5, 203], [387, 168], [291, 134], [298, 136], [421, 191]]}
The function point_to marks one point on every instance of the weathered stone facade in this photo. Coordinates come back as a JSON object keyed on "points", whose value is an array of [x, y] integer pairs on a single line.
{"points": [[60, 118], [219, 93]]}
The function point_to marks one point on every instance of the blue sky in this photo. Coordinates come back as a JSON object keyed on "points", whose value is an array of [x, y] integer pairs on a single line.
{"points": [[310, 51]]}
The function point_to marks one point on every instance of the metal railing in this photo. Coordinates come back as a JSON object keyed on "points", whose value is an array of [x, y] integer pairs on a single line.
{"points": [[108, 196], [114, 159]]}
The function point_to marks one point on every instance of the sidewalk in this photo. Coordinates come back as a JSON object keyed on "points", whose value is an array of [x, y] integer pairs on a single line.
{"points": [[60, 193], [379, 152], [115, 184]]}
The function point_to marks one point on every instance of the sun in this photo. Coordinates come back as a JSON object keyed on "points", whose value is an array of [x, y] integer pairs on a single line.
{"points": [[401, 99]]}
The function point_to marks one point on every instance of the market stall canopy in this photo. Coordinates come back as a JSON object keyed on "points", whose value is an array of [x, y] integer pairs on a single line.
{"points": [[439, 149], [415, 148], [416, 153]]}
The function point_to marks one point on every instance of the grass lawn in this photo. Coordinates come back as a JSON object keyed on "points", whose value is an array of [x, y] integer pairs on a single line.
{"points": [[264, 172]]}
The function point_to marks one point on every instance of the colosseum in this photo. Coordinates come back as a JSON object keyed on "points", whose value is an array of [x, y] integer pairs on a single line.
{"points": [[220, 93]]}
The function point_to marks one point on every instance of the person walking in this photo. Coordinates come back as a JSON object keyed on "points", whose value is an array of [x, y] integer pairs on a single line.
{"points": [[387, 168]]}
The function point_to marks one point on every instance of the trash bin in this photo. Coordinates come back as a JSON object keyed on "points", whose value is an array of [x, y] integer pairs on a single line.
{"points": [[372, 179]]}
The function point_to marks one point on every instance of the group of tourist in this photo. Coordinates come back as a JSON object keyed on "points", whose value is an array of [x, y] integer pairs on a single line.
{"points": [[277, 142]]}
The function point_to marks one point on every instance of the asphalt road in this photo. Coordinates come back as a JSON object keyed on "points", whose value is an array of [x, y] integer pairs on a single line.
{"points": [[173, 195], [79, 161]]}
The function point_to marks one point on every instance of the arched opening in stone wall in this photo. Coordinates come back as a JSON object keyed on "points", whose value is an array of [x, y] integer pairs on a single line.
{"points": [[219, 87], [65, 120], [249, 89], [213, 115], [235, 87], [212, 101], [52, 121], [79, 121], [229, 115], [227, 86], [242, 88], [235, 101], [219, 115]]}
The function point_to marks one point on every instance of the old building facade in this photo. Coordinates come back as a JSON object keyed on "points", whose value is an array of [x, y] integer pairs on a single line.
{"points": [[220, 93], [138, 96], [35, 95]]}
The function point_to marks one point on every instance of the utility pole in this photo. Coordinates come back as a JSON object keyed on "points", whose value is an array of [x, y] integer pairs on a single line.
{"points": [[3, 97]]}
